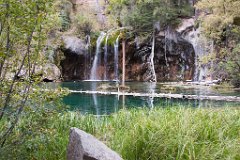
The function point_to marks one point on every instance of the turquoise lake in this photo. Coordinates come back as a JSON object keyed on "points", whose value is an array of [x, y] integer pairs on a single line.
{"points": [[98, 104]]}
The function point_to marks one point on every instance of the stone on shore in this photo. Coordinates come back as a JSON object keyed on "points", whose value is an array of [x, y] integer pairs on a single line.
{"points": [[83, 146]]}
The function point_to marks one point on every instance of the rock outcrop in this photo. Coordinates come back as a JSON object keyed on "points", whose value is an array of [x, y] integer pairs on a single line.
{"points": [[83, 146], [74, 44], [48, 72], [75, 66], [203, 47], [174, 60]]}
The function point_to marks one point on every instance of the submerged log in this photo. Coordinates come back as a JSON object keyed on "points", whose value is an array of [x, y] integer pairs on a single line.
{"points": [[165, 95]]}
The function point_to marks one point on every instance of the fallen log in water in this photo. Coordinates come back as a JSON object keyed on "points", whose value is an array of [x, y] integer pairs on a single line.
{"points": [[165, 95]]}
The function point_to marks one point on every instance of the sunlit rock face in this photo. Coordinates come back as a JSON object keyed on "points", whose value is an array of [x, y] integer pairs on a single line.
{"points": [[173, 61], [74, 44]]}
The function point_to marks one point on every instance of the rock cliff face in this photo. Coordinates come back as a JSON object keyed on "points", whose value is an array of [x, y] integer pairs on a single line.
{"points": [[203, 47], [174, 57], [174, 60]]}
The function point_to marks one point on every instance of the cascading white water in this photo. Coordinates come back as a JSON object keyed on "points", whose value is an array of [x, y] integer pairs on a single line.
{"points": [[136, 41], [169, 37], [202, 47], [152, 60], [94, 75], [116, 53], [105, 57]]}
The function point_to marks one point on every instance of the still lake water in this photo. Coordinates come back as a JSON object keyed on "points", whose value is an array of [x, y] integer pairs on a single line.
{"points": [[106, 104]]}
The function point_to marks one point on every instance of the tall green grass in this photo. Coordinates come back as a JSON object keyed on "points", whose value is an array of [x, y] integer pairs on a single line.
{"points": [[172, 133]]}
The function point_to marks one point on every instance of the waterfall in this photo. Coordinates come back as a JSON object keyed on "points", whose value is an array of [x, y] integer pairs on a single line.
{"points": [[136, 41], [105, 58], [193, 38], [170, 36], [116, 53], [202, 47], [95, 62], [152, 60]]}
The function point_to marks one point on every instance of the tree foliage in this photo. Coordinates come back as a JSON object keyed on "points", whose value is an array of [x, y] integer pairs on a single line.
{"points": [[220, 16], [24, 28], [220, 21], [64, 8], [143, 14]]}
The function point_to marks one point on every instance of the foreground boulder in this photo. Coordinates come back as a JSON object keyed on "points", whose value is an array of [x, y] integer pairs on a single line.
{"points": [[83, 146]]}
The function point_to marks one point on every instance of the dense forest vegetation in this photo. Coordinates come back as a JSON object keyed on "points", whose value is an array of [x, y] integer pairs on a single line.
{"points": [[221, 24], [30, 38]]}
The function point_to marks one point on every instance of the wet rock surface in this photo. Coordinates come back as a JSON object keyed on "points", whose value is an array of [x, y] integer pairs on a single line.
{"points": [[50, 72], [174, 60], [75, 66]]}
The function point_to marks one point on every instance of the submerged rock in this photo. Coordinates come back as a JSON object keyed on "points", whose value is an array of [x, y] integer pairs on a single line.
{"points": [[83, 146]]}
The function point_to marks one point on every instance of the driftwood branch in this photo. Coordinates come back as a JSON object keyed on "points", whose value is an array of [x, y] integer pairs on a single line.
{"points": [[166, 95]]}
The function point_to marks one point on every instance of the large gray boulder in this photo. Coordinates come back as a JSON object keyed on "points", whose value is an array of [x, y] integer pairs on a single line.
{"points": [[83, 146]]}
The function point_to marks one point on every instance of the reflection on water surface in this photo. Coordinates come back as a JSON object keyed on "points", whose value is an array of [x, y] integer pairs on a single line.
{"points": [[105, 104]]}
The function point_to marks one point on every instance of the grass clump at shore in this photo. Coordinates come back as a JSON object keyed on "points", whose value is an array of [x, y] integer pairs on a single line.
{"points": [[172, 133]]}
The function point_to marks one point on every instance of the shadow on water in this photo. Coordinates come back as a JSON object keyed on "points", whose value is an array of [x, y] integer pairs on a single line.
{"points": [[106, 104]]}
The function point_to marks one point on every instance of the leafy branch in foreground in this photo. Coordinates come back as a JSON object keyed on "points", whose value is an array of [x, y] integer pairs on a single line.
{"points": [[24, 28]]}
